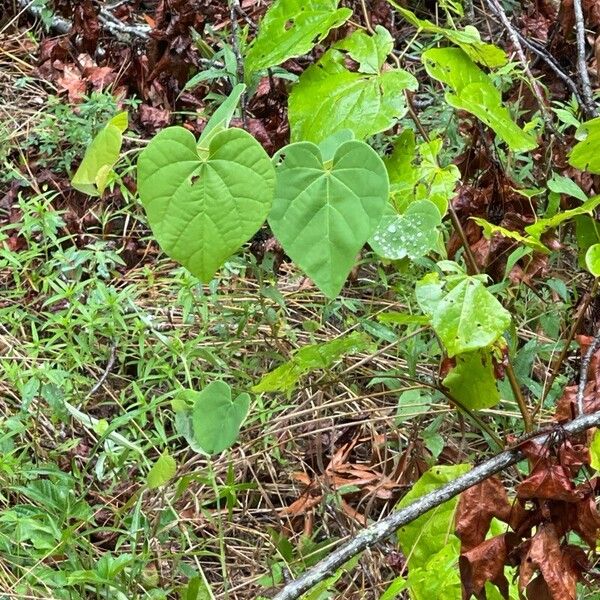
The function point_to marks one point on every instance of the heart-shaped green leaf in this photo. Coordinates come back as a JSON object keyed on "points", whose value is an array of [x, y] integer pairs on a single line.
{"points": [[214, 420], [323, 213], [412, 234], [291, 28], [203, 204], [101, 156], [329, 97]]}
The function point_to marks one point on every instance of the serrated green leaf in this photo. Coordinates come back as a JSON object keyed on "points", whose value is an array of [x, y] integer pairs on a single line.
{"points": [[216, 418], [541, 225], [467, 317], [475, 93], [412, 234], [324, 213], [468, 39], [162, 471], [202, 210], [100, 157], [592, 260], [310, 358], [490, 229], [328, 97], [472, 381], [426, 536], [586, 154], [291, 28]]}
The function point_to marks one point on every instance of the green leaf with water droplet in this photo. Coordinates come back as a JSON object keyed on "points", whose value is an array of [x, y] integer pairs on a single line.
{"points": [[412, 234]]}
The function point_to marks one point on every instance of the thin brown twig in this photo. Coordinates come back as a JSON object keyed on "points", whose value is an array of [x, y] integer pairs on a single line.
{"points": [[535, 86], [584, 372], [588, 97], [109, 365]]}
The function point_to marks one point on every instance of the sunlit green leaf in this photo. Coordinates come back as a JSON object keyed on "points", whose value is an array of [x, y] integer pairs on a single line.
{"points": [[369, 51], [489, 230], [595, 451], [466, 317], [101, 156], [202, 209], [426, 536], [541, 225], [324, 212], [586, 154], [438, 576], [592, 260]]}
